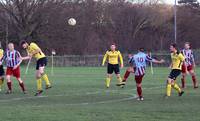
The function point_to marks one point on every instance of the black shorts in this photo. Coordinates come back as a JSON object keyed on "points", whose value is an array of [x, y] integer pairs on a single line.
{"points": [[2, 72], [41, 62], [174, 74], [113, 68]]}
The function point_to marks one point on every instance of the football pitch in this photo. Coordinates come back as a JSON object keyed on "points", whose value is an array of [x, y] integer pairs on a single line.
{"points": [[79, 94]]}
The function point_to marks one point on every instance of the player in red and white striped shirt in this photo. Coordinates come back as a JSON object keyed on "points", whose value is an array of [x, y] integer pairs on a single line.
{"points": [[188, 65], [13, 60]]}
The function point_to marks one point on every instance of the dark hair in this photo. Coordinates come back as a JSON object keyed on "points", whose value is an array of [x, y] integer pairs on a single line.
{"points": [[23, 42], [141, 49], [176, 47]]}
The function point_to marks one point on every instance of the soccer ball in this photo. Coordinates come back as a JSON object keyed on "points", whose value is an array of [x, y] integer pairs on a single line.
{"points": [[72, 21]]}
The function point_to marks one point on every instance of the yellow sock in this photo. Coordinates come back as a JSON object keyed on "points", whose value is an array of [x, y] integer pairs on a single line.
{"points": [[169, 88], [177, 88], [108, 82], [46, 79], [119, 80], [1, 83], [39, 84]]}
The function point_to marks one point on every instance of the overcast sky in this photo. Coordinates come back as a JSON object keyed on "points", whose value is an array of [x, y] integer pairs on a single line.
{"points": [[172, 1]]}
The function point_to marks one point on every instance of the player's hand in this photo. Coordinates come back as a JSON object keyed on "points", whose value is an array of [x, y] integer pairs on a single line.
{"points": [[129, 55], [122, 65], [15, 67], [0, 63], [194, 66], [162, 61]]}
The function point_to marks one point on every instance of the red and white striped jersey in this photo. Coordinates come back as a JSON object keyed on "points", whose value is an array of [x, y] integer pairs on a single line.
{"points": [[189, 56]]}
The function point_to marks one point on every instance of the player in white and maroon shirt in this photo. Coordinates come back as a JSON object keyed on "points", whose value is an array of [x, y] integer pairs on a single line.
{"points": [[188, 65], [139, 62]]}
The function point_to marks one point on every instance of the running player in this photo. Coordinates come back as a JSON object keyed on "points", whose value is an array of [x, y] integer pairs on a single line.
{"points": [[1, 70], [33, 50], [113, 57], [177, 61], [188, 65], [13, 61], [139, 61]]}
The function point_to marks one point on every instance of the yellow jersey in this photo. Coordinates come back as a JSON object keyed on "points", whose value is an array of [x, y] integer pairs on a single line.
{"points": [[113, 57], [177, 60], [34, 47], [1, 53]]}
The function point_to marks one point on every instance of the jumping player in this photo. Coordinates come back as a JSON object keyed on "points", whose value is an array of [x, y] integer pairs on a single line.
{"points": [[113, 57], [139, 61], [33, 50], [13, 60], [177, 61], [188, 65]]}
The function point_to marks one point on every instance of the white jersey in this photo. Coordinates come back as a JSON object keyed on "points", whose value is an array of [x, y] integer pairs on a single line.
{"points": [[139, 61], [189, 57]]}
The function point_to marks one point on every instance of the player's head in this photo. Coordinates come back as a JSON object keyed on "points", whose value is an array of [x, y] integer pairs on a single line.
{"points": [[173, 47], [187, 45], [24, 44], [141, 49], [11, 46], [113, 47]]}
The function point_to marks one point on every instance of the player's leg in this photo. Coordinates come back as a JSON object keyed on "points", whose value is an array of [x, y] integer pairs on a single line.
{"points": [[117, 72], [9, 72], [173, 75], [183, 79], [1, 76], [194, 79], [109, 75], [17, 74], [138, 80], [127, 73], [44, 76], [9, 84], [39, 83]]}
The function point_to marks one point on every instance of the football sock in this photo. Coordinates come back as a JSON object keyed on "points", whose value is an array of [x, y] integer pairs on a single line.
{"points": [[46, 79], [139, 91], [177, 88], [39, 84], [183, 82], [126, 75], [22, 86], [169, 88], [119, 80], [9, 84], [108, 82], [194, 81]]}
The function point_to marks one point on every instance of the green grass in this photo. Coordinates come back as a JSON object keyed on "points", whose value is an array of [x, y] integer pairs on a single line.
{"points": [[78, 94]]}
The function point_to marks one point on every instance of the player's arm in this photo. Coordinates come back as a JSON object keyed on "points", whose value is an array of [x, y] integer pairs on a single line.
{"points": [[193, 61], [28, 57], [20, 60], [3, 58], [150, 59], [121, 60], [104, 59]]}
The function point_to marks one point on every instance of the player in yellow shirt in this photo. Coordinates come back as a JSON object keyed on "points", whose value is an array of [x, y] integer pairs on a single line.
{"points": [[176, 66], [34, 50], [1, 70], [113, 56]]}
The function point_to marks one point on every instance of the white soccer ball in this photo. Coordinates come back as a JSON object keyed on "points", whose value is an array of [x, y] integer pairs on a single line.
{"points": [[72, 21]]}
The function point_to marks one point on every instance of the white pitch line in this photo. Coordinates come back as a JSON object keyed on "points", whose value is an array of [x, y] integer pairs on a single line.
{"points": [[87, 93]]}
